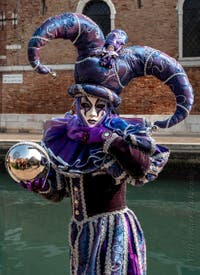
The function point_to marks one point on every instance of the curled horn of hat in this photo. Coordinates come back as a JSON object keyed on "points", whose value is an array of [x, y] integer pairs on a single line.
{"points": [[82, 31]]}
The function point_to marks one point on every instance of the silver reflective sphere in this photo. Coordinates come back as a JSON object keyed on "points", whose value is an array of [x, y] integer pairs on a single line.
{"points": [[27, 161]]}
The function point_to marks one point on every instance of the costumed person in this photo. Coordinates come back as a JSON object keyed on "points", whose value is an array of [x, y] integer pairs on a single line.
{"points": [[95, 153]]}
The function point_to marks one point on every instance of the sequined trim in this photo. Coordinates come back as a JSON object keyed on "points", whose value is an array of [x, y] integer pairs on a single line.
{"points": [[108, 142], [109, 163], [133, 226], [121, 178], [58, 180], [95, 217], [109, 245], [125, 245], [104, 229], [78, 199]]}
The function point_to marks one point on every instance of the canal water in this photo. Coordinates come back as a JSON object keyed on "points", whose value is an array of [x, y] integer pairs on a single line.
{"points": [[34, 231]]}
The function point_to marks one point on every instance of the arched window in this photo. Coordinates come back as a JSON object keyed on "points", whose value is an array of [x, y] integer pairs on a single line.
{"points": [[189, 32], [191, 28], [99, 11]]}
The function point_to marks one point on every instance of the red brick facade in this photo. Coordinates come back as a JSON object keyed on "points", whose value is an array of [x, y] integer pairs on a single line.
{"points": [[154, 24]]}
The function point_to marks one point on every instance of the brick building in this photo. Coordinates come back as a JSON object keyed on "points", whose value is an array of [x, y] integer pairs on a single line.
{"points": [[159, 24]]}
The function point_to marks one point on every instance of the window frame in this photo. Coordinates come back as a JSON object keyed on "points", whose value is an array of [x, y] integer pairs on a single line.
{"points": [[82, 3], [185, 61]]}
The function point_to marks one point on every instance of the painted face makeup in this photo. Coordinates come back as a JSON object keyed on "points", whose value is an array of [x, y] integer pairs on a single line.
{"points": [[92, 110]]}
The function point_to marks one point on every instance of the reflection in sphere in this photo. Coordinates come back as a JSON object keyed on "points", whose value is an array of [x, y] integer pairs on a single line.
{"points": [[26, 161]]}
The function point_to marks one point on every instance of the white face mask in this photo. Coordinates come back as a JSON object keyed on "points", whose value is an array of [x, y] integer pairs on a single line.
{"points": [[92, 110]]}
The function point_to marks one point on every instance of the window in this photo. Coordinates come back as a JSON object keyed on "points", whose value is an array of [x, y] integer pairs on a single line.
{"points": [[99, 11], [191, 28], [109, 12], [189, 32]]}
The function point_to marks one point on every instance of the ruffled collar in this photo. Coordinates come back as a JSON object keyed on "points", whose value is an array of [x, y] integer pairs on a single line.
{"points": [[67, 154]]}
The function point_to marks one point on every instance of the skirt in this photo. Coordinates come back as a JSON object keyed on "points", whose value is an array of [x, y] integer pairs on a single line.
{"points": [[110, 243]]}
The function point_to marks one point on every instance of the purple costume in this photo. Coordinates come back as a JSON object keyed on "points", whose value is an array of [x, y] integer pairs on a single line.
{"points": [[93, 165]]}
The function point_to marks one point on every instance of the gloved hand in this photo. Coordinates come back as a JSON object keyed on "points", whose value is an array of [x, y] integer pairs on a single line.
{"points": [[89, 135], [37, 185]]}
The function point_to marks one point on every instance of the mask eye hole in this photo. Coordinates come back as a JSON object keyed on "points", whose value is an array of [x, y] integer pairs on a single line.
{"points": [[101, 106], [85, 105]]}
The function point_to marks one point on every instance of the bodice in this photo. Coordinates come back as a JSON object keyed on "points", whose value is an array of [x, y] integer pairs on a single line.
{"points": [[95, 194]]}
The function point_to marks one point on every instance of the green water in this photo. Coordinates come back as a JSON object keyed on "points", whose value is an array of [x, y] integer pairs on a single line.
{"points": [[34, 232]]}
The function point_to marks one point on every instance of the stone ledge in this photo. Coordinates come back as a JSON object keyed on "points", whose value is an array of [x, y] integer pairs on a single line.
{"points": [[33, 123]]}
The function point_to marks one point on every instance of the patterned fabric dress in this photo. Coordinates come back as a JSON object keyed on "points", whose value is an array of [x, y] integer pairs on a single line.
{"points": [[105, 236], [109, 243]]}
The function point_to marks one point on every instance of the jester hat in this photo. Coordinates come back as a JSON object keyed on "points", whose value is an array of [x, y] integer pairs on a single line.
{"points": [[104, 73]]}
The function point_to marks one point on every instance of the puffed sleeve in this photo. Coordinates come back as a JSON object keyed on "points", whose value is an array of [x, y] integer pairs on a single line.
{"points": [[135, 151], [58, 186], [133, 160]]}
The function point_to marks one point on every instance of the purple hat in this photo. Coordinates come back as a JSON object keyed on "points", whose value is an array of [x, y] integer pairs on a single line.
{"points": [[77, 90], [104, 73]]}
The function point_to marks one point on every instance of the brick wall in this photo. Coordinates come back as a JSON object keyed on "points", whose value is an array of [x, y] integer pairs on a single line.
{"points": [[38, 94], [154, 24]]}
